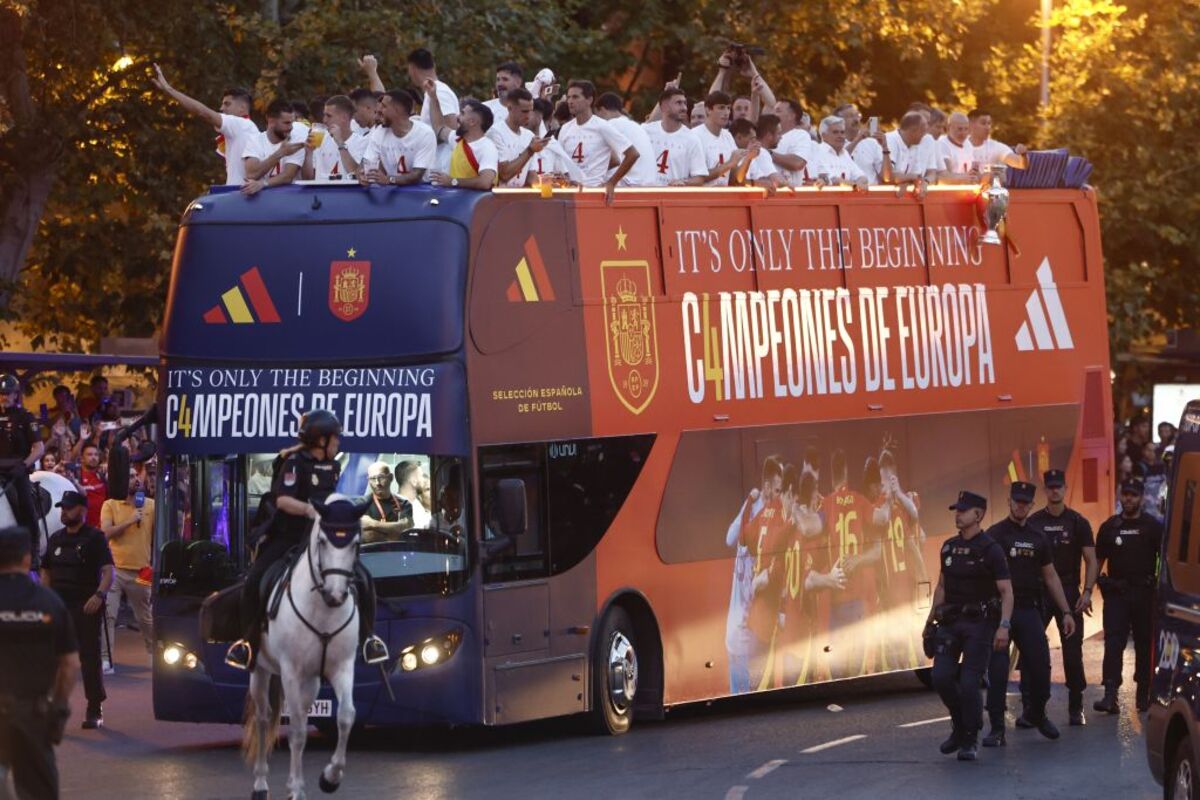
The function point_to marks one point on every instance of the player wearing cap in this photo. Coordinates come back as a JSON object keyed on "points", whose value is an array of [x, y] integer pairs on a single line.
{"points": [[1128, 543], [1070, 534], [972, 606], [1031, 566]]}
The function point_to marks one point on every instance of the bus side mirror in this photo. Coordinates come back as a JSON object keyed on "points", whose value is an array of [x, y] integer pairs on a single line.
{"points": [[511, 511]]}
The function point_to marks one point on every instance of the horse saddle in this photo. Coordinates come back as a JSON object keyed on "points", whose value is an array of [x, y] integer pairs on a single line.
{"points": [[42, 500], [277, 573]]}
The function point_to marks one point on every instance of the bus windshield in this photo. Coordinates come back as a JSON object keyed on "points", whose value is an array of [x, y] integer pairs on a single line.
{"points": [[414, 528]]}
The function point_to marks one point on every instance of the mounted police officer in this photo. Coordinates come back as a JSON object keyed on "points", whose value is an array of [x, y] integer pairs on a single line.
{"points": [[1031, 566], [971, 609], [1070, 534], [39, 662], [302, 474], [20, 448], [1128, 542]]}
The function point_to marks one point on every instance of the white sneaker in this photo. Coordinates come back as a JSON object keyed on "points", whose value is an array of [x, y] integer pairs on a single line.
{"points": [[107, 667]]}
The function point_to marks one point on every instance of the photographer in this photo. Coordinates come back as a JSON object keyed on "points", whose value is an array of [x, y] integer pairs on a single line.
{"points": [[40, 663]]}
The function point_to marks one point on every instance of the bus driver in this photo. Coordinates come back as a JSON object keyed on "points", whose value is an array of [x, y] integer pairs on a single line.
{"points": [[309, 472]]}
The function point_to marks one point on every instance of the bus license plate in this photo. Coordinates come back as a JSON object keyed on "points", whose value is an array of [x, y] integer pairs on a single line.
{"points": [[321, 708]]}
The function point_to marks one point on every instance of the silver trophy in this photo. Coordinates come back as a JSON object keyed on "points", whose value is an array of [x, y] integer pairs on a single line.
{"points": [[994, 199]]}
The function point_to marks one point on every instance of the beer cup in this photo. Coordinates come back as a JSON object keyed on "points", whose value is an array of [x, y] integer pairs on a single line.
{"points": [[316, 135], [545, 185]]}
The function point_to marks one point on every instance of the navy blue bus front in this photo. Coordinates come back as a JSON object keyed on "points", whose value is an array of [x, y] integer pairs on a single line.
{"points": [[341, 299]]}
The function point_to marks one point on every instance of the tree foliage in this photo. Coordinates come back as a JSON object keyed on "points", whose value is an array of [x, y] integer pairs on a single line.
{"points": [[116, 162]]}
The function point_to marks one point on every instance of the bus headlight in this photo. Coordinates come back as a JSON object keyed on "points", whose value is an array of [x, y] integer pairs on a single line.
{"points": [[176, 655], [430, 652]]}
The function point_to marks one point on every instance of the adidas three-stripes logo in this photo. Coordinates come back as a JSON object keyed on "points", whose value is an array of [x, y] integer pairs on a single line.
{"points": [[1044, 315]]}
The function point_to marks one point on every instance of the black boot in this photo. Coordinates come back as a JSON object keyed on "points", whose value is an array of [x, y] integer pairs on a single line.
{"points": [[1075, 709], [1108, 703], [952, 744], [1143, 698], [94, 718], [1047, 728], [240, 654], [995, 737], [968, 752], [1025, 720], [374, 651]]}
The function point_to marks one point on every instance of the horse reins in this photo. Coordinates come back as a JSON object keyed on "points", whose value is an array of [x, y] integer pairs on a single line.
{"points": [[318, 585]]}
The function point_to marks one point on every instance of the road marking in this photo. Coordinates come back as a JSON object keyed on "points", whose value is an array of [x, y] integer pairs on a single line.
{"points": [[736, 793], [767, 768], [835, 743], [919, 723]]}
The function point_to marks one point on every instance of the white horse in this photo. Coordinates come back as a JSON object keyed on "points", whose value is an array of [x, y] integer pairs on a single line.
{"points": [[314, 635], [55, 484]]}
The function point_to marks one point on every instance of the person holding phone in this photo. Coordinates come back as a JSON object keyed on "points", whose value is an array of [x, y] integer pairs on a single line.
{"points": [[515, 143], [128, 525]]}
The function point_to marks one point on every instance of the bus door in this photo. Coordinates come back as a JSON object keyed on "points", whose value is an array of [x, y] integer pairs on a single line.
{"points": [[526, 676]]}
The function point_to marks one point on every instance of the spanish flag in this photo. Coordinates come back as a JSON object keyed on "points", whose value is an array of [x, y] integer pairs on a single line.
{"points": [[463, 163]]}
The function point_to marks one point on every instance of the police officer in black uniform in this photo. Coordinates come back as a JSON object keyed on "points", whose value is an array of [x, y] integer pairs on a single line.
{"points": [[78, 566], [1031, 565], [971, 608], [1070, 534], [1128, 543], [39, 663], [309, 472], [20, 448]]}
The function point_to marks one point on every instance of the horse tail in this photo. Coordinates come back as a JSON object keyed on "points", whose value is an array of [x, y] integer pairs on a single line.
{"points": [[250, 744]]}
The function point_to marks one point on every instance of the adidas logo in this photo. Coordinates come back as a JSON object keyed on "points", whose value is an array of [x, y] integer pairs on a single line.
{"points": [[532, 283], [233, 305], [1043, 304]]}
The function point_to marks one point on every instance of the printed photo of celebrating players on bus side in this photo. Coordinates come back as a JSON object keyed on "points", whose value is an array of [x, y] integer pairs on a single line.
{"points": [[834, 540]]}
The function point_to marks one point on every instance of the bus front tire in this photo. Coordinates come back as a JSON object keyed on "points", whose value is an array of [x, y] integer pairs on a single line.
{"points": [[614, 675], [1182, 779]]}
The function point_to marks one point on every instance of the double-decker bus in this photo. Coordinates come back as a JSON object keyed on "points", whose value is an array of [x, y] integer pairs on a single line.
{"points": [[692, 444]]}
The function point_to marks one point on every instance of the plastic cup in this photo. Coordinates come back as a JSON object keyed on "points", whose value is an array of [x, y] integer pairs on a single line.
{"points": [[316, 135]]}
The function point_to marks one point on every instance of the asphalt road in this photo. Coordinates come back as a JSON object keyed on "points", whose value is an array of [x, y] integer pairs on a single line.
{"points": [[870, 738]]}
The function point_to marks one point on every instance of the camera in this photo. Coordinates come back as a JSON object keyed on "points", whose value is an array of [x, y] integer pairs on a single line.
{"points": [[740, 52]]}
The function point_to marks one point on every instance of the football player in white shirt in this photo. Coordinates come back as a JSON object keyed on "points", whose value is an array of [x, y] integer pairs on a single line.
{"points": [[678, 158], [508, 77], [340, 151], [592, 142], [912, 154], [863, 144], [988, 151], [957, 160], [832, 162], [553, 160], [715, 140], [232, 121], [755, 166], [439, 107], [474, 120], [795, 147], [273, 158], [611, 108], [366, 111], [401, 150], [515, 143]]}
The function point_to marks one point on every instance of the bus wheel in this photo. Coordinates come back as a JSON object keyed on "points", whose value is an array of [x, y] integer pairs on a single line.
{"points": [[925, 676], [614, 674], [1182, 779]]}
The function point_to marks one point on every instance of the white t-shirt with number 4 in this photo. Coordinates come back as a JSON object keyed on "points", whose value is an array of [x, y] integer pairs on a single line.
{"points": [[717, 150], [510, 145], [677, 155], [400, 155], [261, 147], [592, 145], [327, 159]]}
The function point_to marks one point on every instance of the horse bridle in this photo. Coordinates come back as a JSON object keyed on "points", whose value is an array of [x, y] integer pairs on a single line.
{"points": [[319, 573]]}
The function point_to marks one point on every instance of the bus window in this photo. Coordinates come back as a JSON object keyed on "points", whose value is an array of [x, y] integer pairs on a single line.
{"points": [[199, 525], [526, 556], [1182, 553]]}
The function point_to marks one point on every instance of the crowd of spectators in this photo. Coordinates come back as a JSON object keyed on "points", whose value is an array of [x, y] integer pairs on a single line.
{"points": [[1139, 455], [541, 133]]}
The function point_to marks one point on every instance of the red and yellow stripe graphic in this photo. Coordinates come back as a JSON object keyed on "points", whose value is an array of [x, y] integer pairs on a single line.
{"points": [[233, 305], [532, 282]]}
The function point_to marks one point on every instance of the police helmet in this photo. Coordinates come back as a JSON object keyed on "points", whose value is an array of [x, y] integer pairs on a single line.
{"points": [[316, 425], [9, 383]]}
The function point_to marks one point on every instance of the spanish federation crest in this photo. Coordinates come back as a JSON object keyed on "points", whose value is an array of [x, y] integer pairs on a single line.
{"points": [[349, 289], [630, 340]]}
